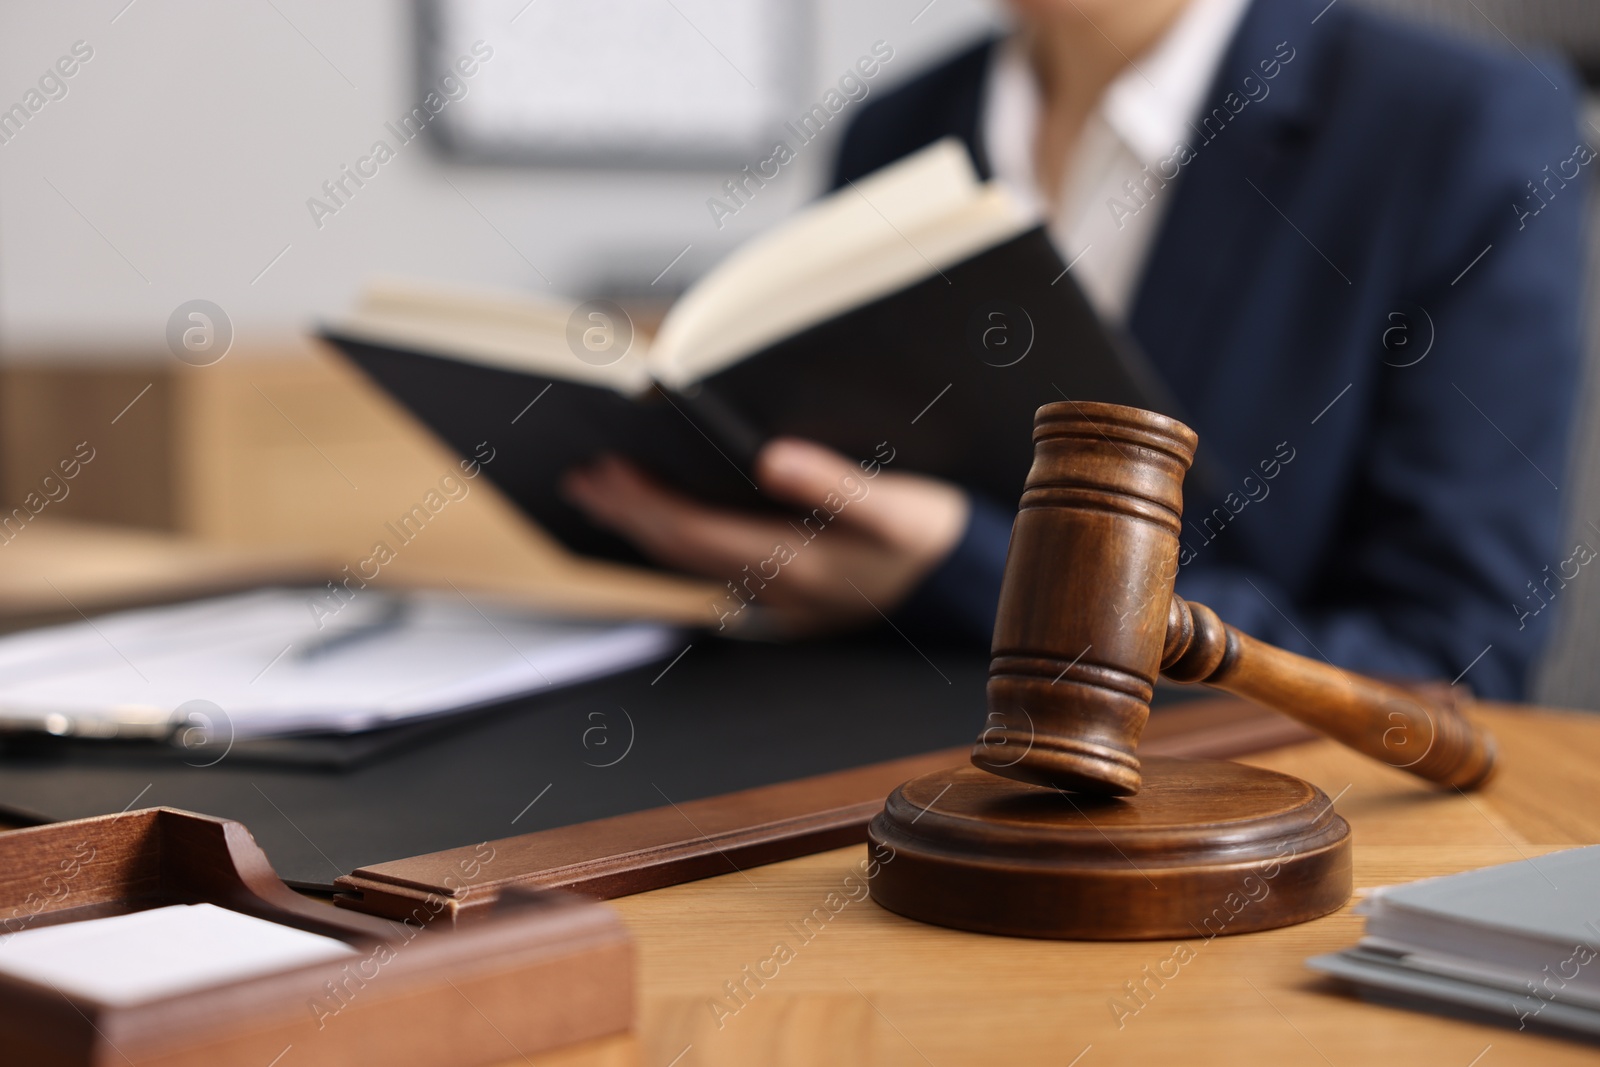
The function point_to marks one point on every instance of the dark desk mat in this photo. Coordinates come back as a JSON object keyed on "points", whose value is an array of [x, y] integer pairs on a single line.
{"points": [[311, 751], [725, 716]]}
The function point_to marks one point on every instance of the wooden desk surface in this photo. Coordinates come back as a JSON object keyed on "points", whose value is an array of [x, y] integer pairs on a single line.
{"points": [[272, 452], [872, 988]]}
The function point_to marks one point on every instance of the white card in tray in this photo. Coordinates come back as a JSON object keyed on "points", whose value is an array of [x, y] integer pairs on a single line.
{"points": [[146, 955]]}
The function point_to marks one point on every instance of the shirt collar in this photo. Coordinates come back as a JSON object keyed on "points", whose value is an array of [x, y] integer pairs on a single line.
{"points": [[1149, 106], [1152, 104]]}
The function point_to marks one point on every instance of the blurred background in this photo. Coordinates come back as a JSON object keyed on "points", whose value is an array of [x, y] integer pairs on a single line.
{"points": [[204, 151], [580, 158], [193, 153]]}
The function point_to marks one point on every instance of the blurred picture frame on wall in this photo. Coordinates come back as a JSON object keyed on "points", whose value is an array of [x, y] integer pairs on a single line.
{"points": [[694, 83]]}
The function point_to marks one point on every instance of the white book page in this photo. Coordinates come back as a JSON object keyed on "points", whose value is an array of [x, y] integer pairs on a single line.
{"points": [[147, 955], [520, 332], [888, 231], [726, 334], [884, 232]]}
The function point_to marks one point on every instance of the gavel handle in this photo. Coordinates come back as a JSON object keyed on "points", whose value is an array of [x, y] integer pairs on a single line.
{"points": [[1428, 737]]}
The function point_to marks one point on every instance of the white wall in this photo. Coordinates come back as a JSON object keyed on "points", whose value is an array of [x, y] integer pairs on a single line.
{"points": [[183, 154]]}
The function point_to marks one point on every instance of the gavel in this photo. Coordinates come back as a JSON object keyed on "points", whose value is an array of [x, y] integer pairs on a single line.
{"points": [[1088, 619]]}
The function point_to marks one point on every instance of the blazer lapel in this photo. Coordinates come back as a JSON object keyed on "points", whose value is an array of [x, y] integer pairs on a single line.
{"points": [[1229, 196]]}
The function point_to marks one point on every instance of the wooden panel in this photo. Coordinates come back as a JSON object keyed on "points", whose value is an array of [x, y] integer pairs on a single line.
{"points": [[62, 568], [292, 450], [47, 409], [302, 450], [647, 849], [698, 839]]}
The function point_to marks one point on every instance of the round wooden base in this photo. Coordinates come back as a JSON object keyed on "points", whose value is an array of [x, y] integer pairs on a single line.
{"points": [[1205, 848]]}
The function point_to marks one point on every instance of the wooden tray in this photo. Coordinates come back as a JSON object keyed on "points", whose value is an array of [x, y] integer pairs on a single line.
{"points": [[543, 969]]}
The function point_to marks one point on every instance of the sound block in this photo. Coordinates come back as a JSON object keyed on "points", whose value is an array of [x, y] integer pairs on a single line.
{"points": [[1205, 848]]}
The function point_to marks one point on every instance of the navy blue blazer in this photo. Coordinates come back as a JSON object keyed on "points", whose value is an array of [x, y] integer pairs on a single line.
{"points": [[1366, 295]]}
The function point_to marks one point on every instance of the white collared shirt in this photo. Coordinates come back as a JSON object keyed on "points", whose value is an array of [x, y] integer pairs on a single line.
{"points": [[1110, 212]]}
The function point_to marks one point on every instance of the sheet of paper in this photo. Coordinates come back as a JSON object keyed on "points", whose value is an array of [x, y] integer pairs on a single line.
{"points": [[279, 661], [129, 959], [1417, 989]]}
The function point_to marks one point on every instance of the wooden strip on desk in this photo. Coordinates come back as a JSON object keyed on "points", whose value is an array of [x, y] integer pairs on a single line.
{"points": [[664, 846]]}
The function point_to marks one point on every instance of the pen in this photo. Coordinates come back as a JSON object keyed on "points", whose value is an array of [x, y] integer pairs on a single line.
{"points": [[391, 615]]}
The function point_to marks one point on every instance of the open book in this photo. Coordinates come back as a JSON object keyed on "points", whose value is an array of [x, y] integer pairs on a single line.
{"points": [[919, 314]]}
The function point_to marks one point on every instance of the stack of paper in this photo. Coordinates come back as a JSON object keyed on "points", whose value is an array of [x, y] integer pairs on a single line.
{"points": [[1518, 942], [147, 955], [281, 661]]}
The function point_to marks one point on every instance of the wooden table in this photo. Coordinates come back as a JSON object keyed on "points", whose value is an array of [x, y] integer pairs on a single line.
{"points": [[872, 988], [274, 450]]}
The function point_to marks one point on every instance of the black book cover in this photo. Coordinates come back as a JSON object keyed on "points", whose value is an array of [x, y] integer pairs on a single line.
{"points": [[944, 375]]}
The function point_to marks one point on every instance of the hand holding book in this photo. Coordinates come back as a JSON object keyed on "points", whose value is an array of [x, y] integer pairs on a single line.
{"points": [[858, 541], [919, 305]]}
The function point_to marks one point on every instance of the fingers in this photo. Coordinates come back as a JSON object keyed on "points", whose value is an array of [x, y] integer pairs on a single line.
{"points": [[667, 525], [922, 517], [801, 472], [861, 545]]}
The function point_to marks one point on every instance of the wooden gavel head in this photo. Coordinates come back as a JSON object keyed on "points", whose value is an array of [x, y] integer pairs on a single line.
{"points": [[1088, 620]]}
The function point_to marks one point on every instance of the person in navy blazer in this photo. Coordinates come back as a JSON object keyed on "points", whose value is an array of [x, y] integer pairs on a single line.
{"points": [[1411, 338], [1364, 294]]}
